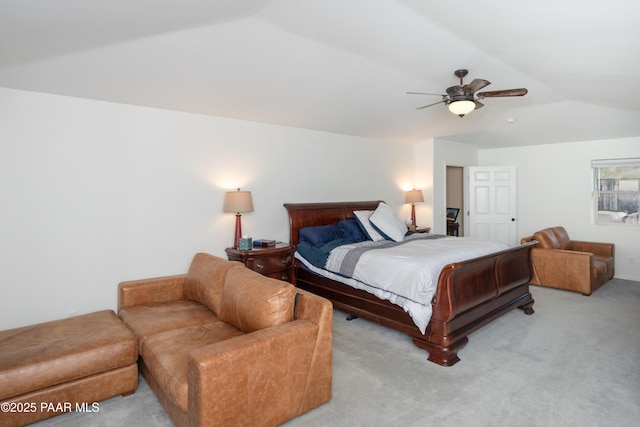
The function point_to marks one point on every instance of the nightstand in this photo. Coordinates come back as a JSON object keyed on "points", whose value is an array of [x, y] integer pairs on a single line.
{"points": [[421, 229], [452, 228], [275, 262]]}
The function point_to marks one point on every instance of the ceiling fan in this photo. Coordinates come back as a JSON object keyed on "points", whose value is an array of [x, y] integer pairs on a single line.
{"points": [[462, 99]]}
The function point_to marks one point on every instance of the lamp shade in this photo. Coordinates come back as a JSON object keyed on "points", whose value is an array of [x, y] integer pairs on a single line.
{"points": [[463, 107], [238, 201], [413, 196]]}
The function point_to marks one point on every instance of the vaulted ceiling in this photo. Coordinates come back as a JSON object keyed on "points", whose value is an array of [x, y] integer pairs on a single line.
{"points": [[342, 66]]}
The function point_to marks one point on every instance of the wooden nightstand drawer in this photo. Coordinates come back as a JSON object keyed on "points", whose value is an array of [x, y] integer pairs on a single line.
{"points": [[281, 275], [267, 265], [275, 262]]}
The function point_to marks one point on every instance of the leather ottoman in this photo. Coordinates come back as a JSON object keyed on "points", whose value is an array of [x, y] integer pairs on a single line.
{"points": [[65, 365]]}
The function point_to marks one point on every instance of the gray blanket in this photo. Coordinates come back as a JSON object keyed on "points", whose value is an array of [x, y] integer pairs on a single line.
{"points": [[351, 257]]}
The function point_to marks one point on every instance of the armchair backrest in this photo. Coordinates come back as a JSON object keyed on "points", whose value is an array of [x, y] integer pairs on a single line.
{"points": [[553, 238]]}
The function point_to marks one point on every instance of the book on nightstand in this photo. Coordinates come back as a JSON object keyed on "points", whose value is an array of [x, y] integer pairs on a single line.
{"points": [[262, 243]]}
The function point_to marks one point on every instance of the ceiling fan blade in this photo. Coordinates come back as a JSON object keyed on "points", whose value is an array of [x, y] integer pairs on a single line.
{"points": [[476, 84], [435, 103], [506, 92], [478, 104], [423, 93]]}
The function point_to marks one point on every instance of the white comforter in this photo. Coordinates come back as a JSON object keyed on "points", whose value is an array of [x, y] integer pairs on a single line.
{"points": [[407, 274]]}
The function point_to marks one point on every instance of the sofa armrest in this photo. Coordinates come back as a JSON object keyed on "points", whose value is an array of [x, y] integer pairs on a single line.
{"points": [[563, 269], [159, 289], [596, 248], [258, 378], [318, 310]]}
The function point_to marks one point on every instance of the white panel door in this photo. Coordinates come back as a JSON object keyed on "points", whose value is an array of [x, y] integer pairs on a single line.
{"points": [[492, 203]]}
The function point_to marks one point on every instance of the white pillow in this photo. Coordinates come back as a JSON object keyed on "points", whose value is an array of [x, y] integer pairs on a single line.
{"points": [[388, 223], [363, 219]]}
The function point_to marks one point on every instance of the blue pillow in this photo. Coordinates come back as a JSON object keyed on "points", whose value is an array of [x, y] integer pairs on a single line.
{"points": [[352, 230], [321, 235]]}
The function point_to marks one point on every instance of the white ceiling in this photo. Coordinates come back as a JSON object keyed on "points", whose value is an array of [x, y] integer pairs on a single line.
{"points": [[342, 66]]}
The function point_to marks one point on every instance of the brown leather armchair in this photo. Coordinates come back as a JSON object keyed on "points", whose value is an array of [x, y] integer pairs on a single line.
{"points": [[562, 263]]}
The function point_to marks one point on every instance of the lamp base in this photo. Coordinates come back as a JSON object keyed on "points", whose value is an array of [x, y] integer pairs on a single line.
{"points": [[236, 240], [413, 216]]}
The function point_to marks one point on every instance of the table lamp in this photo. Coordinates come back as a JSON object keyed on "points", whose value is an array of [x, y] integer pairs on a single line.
{"points": [[413, 196], [237, 202]]}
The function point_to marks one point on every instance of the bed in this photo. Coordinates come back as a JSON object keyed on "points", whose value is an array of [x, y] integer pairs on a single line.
{"points": [[469, 293]]}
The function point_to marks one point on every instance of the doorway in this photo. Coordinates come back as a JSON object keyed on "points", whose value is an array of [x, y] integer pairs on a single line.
{"points": [[454, 199], [491, 203]]}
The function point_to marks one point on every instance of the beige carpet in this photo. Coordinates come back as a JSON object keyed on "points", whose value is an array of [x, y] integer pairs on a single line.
{"points": [[575, 362]]}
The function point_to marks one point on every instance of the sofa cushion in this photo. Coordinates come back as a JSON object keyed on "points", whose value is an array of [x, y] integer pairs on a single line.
{"points": [[205, 280], [251, 301], [149, 319], [166, 355], [43, 355]]}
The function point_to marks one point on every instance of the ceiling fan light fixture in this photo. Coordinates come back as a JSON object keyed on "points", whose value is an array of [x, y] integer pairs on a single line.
{"points": [[460, 108], [463, 99]]}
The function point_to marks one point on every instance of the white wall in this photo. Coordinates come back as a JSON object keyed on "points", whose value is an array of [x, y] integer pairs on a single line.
{"points": [[424, 181], [555, 188], [94, 193]]}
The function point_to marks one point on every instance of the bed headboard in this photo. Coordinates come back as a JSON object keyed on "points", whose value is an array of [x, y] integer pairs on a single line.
{"points": [[312, 214]]}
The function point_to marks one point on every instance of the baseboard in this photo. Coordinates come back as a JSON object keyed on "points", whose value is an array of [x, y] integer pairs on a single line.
{"points": [[625, 277]]}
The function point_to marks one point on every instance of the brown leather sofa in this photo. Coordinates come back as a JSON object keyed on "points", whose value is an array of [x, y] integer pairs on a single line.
{"points": [[223, 345], [562, 263]]}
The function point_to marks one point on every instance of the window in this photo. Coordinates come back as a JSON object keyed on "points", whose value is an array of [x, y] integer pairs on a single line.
{"points": [[616, 188]]}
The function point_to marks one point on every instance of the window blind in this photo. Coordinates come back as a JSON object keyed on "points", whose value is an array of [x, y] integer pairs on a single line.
{"points": [[635, 161]]}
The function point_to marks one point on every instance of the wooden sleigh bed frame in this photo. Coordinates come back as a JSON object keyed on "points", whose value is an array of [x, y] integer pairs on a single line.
{"points": [[470, 293]]}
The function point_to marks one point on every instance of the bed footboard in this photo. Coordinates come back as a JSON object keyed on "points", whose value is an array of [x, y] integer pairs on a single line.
{"points": [[473, 293]]}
